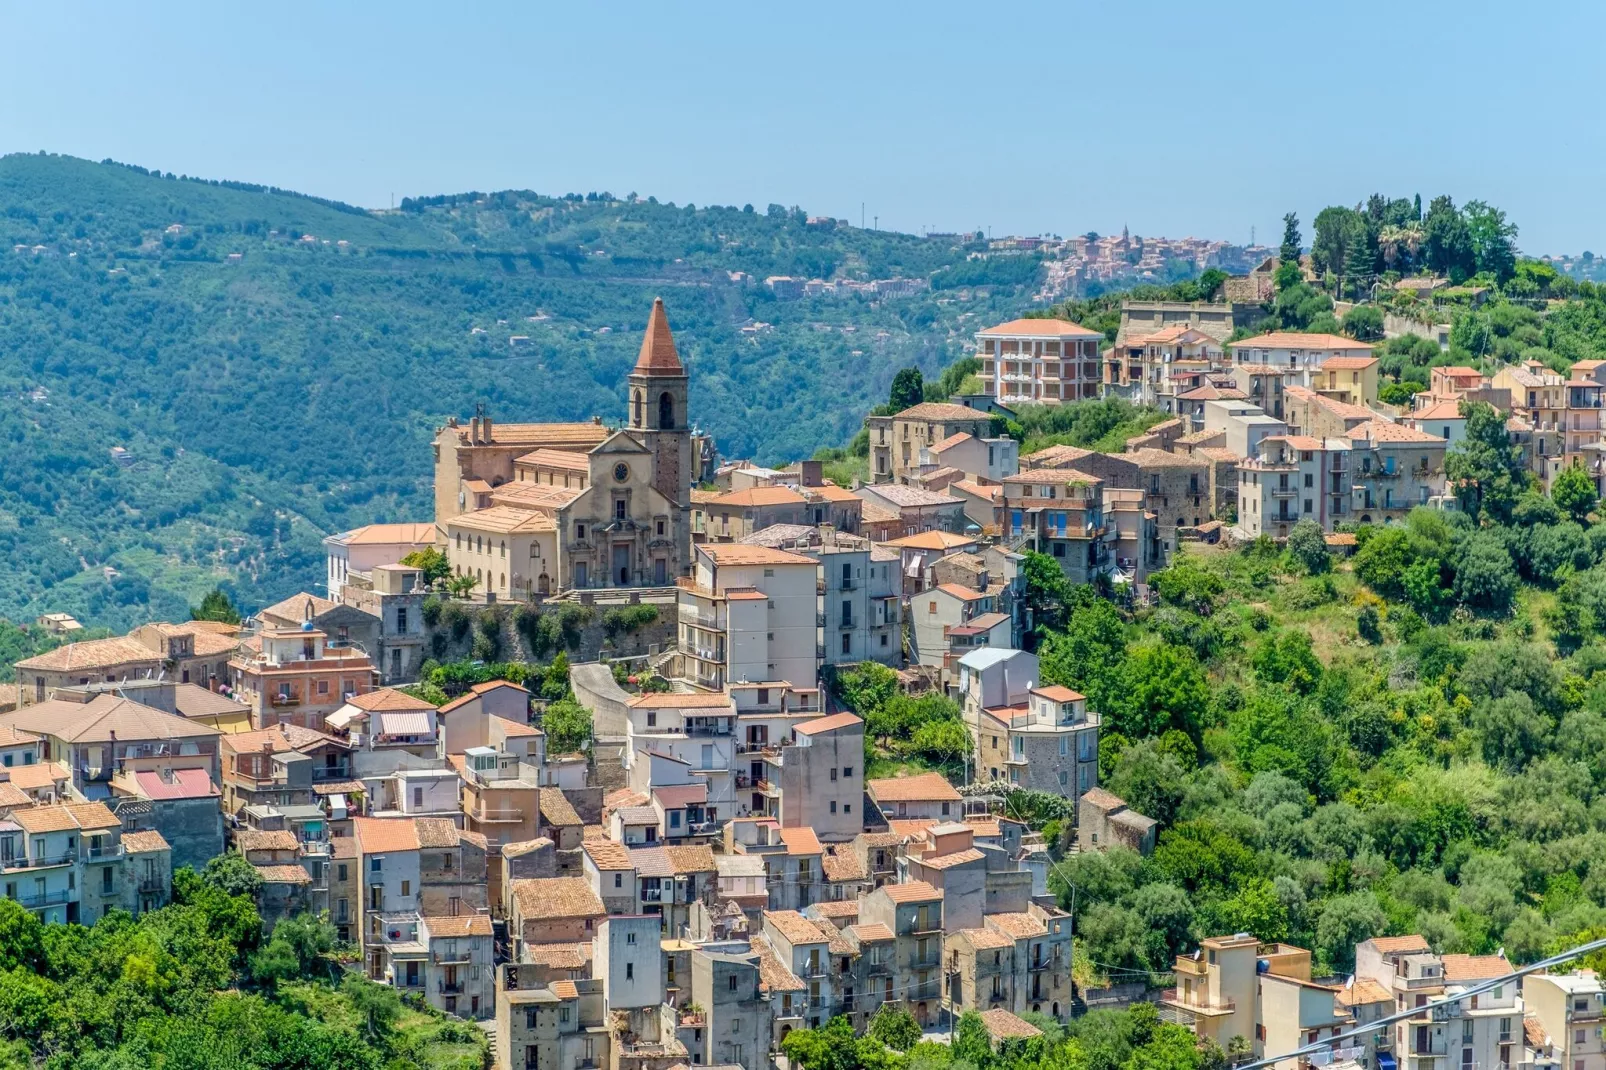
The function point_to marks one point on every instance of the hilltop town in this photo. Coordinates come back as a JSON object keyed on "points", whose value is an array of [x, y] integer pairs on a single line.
{"points": [[640, 756]]}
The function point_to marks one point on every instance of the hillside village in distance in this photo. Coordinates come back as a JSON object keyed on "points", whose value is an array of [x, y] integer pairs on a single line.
{"points": [[707, 866]]}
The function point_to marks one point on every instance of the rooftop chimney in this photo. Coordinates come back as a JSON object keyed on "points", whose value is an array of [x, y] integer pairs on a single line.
{"points": [[485, 429]]}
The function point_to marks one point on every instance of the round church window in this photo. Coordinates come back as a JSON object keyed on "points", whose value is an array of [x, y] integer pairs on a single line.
{"points": [[621, 472]]}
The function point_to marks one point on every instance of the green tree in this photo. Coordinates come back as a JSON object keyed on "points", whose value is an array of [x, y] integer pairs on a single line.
{"points": [[1334, 233], [231, 874], [895, 1027], [1574, 492], [1493, 241], [216, 606], [908, 389], [1308, 546], [1364, 323], [567, 725], [1485, 469], [1485, 577], [1447, 242], [972, 1043], [432, 562], [1162, 687], [1288, 253], [1050, 596]]}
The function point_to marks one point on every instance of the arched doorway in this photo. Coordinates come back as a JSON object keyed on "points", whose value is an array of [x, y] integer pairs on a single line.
{"points": [[666, 412], [543, 585]]}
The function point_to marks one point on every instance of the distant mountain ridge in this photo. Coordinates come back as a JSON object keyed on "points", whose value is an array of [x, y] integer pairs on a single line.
{"points": [[273, 363]]}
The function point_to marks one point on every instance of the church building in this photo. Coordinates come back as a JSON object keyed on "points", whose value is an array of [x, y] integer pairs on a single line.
{"points": [[534, 509]]}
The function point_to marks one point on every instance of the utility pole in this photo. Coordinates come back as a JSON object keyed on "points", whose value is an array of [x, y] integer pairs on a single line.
{"points": [[861, 215]]}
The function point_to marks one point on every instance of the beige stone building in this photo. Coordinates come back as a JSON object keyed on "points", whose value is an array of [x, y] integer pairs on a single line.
{"points": [[192, 652], [896, 441], [618, 500]]}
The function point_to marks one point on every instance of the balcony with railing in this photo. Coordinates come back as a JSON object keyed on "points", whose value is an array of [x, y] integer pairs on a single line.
{"points": [[449, 988], [40, 900]]}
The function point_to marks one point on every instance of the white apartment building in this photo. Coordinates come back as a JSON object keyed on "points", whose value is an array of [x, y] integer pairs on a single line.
{"points": [[1041, 361], [1293, 478], [1296, 350], [364, 549], [748, 614], [697, 730], [860, 616], [1571, 1007], [1244, 424]]}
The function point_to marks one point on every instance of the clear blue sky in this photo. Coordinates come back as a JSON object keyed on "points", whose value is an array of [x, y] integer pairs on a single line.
{"points": [[1172, 116]]}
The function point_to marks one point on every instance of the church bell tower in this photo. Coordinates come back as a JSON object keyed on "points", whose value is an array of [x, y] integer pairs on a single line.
{"points": [[658, 416]]}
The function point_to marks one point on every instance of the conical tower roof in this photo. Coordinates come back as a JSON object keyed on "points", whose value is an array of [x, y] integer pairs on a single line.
{"points": [[658, 356]]}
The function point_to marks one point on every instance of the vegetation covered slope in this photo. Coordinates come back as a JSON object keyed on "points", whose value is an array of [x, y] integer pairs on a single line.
{"points": [[196, 985], [275, 364], [1406, 741]]}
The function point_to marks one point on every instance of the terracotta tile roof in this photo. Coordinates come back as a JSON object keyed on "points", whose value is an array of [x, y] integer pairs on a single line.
{"points": [[801, 841], [871, 933], [903, 828], [143, 841], [294, 609], [1054, 456], [881, 839], [283, 737], [1361, 992], [990, 492], [1057, 693], [196, 702], [260, 840], [1348, 363], [843, 865], [735, 553], [1018, 925], [544, 898], [461, 925], [926, 787], [1299, 340], [1041, 328], [794, 927], [92, 654], [636, 815], [830, 492], [1153, 458], [504, 520], [1439, 410], [388, 699], [576, 434], [1474, 967], [382, 835], [911, 892], [964, 594], [906, 497], [1003, 1025], [534, 497], [551, 458], [1383, 431], [558, 956], [658, 355], [828, 723], [957, 858], [95, 721], [436, 832], [955, 439], [773, 976], [986, 939], [607, 853], [45, 819], [874, 513], [287, 873], [11, 736], [1533, 1031], [417, 534], [12, 796], [838, 908], [931, 540], [758, 497], [39, 776], [669, 700], [692, 858], [556, 810]]}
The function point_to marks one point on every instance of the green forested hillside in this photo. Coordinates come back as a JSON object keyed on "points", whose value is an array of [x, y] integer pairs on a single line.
{"points": [[275, 364]]}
